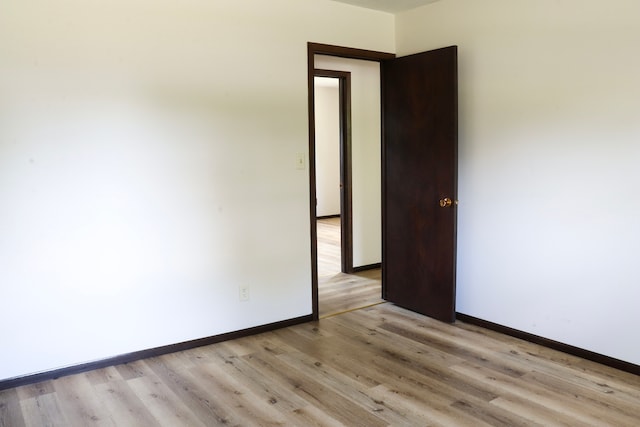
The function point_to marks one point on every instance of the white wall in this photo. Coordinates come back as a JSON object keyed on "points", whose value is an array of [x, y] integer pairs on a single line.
{"points": [[327, 125], [549, 214], [365, 155], [148, 169]]}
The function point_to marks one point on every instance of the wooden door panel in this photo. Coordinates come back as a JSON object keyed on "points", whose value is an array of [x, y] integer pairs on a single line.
{"points": [[420, 169]]}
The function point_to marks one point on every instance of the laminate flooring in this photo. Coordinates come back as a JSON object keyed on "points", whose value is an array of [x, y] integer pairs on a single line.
{"points": [[339, 292], [376, 366]]}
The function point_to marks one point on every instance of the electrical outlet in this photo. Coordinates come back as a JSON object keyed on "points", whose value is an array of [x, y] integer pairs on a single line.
{"points": [[244, 293]]}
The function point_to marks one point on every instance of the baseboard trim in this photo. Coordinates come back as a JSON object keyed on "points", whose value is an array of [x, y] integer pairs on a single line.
{"points": [[144, 354], [556, 345], [367, 267]]}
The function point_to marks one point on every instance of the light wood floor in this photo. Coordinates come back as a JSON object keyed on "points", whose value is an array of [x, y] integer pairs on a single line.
{"points": [[376, 366], [339, 292]]}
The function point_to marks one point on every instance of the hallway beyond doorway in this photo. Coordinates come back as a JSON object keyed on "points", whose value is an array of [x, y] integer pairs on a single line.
{"points": [[339, 292]]}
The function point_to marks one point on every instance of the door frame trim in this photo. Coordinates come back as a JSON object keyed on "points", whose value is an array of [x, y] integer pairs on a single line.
{"points": [[346, 213], [344, 52]]}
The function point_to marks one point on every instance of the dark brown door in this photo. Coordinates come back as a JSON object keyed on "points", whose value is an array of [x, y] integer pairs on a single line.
{"points": [[420, 114]]}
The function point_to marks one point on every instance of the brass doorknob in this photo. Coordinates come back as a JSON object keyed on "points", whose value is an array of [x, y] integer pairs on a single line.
{"points": [[446, 202]]}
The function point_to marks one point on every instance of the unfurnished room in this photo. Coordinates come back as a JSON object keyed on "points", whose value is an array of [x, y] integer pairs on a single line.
{"points": [[319, 212]]}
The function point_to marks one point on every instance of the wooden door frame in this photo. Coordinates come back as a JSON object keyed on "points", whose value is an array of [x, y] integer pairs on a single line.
{"points": [[346, 214], [343, 52]]}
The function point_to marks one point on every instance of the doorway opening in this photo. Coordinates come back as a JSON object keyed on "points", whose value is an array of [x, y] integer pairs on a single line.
{"points": [[340, 287], [332, 95], [418, 180], [346, 287]]}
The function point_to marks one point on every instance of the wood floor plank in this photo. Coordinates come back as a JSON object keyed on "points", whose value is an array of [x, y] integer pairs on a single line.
{"points": [[124, 406], [43, 410], [311, 416], [162, 403], [271, 388], [365, 328], [318, 394], [421, 409], [341, 357], [555, 400], [624, 412], [199, 401], [414, 413], [10, 410], [491, 415], [131, 370], [329, 250], [248, 407], [80, 403], [449, 346], [344, 385], [535, 413], [386, 353], [34, 390], [103, 376], [563, 369]]}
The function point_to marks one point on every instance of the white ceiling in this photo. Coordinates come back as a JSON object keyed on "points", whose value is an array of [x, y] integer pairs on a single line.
{"points": [[391, 6]]}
